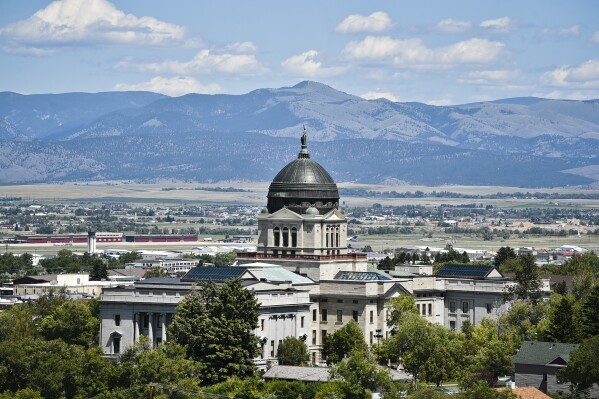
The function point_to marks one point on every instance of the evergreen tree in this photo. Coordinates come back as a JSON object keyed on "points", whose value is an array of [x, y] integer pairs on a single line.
{"points": [[561, 326], [503, 254], [216, 325], [528, 283], [590, 313]]}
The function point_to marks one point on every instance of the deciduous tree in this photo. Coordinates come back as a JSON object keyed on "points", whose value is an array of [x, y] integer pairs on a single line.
{"points": [[293, 352]]}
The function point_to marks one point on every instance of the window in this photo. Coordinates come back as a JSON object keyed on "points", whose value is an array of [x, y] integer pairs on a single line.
{"points": [[489, 308], [452, 307], [314, 315], [544, 377], [424, 309], [116, 345], [339, 315], [371, 337], [324, 315], [294, 237], [285, 237], [371, 316], [355, 315], [146, 320], [313, 357], [272, 348], [355, 301], [430, 309], [302, 322], [261, 324], [452, 325], [324, 336], [117, 320], [465, 307], [313, 337], [418, 307], [277, 236]]}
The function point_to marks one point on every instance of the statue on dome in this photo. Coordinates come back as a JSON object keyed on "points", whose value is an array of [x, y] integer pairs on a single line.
{"points": [[304, 138]]}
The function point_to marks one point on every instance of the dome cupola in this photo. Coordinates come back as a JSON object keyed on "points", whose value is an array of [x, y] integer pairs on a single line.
{"points": [[303, 184]]}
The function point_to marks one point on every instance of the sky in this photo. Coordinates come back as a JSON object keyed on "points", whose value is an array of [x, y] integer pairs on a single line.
{"points": [[436, 52]]}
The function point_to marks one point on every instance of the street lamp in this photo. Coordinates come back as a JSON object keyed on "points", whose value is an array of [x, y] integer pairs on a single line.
{"points": [[378, 335]]}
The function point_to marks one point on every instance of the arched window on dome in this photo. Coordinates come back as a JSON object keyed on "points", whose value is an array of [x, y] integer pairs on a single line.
{"points": [[285, 237], [277, 233], [293, 237]]}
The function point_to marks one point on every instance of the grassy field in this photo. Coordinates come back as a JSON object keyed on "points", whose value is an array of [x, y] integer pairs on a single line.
{"points": [[256, 194], [188, 193]]}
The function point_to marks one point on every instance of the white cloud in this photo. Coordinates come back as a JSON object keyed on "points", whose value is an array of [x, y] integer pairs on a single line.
{"points": [[375, 22], [503, 24], [35, 51], [497, 76], [415, 52], [453, 26], [242, 47], [78, 22], [586, 75], [305, 64], [203, 62], [572, 31], [373, 95], [175, 86], [478, 51], [595, 37]]}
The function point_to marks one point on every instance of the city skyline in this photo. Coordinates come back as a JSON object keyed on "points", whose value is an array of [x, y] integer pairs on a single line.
{"points": [[432, 52]]}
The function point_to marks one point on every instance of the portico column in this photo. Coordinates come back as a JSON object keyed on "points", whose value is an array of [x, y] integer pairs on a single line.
{"points": [[135, 327], [163, 327], [151, 329]]}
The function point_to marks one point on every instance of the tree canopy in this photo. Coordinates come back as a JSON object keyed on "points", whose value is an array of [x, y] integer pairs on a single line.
{"points": [[216, 326]]}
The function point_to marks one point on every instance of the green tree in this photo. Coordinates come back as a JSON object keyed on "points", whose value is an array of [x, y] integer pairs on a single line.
{"points": [[155, 271], [293, 352], [589, 312], [216, 326], [361, 375], [99, 271], [345, 340], [583, 367], [561, 327], [129, 257], [410, 344], [482, 390], [165, 364], [399, 307], [503, 254], [72, 322], [528, 283], [18, 322], [442, 364], [26, 393]]}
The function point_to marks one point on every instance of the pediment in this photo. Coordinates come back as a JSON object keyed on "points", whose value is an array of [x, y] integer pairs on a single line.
{"points": [[334, 214], [396, 290], [285, 213]]}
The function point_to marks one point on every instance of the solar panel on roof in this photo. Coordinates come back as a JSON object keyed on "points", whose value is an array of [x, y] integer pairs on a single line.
{"points": [[213, 273], [362, 276], [464, 270]]}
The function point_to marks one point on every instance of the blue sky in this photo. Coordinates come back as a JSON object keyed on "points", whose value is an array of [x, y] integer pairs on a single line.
{"points": [[438, 52]]}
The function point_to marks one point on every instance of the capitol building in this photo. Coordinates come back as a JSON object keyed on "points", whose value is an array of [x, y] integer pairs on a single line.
{"points": [[308, 284]]}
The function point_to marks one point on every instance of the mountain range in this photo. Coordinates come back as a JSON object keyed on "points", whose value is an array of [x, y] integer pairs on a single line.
{"points": [[524, 142]]}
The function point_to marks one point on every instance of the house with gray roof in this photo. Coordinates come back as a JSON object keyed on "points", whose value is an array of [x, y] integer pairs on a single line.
{"points": [[537, 364]]}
